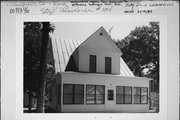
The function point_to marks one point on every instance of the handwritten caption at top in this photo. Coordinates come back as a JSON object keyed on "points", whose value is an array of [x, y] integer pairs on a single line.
{"points": [[52, 8]]}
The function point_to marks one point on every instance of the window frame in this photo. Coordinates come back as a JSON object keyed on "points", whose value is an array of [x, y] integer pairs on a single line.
{"points": [[108, 65], [110, 96], [92, 64], [142, 95], [123, 94], [95, 94], [73, 94]]}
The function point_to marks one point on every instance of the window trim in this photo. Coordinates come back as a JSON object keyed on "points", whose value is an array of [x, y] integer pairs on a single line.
{"points": [[73, 94], [124, 94], [95, 95], [147, 101]]}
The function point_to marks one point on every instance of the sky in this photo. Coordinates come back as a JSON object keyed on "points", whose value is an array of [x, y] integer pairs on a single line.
{"points": [[82, 30]]}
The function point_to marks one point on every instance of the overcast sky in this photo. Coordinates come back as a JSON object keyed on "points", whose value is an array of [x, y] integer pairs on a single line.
{"points": [[82, 30]]}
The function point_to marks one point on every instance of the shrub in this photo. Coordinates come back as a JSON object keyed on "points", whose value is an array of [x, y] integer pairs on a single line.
{"points": [[154, 101]]}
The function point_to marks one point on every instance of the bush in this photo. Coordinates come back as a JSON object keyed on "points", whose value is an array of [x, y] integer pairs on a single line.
{"points": [[154, 101]]}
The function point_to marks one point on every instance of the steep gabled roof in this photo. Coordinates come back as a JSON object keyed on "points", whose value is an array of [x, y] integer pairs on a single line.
{"points": [[104, 38], [63, 49]]}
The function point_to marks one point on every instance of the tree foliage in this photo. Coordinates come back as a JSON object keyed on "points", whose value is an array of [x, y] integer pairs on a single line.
{"points": [[32, 55], [32, 51], [141, 51]]}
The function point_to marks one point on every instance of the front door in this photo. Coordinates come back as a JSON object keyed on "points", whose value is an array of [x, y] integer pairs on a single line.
{"points": [[110, 100]]}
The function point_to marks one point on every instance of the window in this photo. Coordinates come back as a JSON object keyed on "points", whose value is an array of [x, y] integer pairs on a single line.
{"points": [[92, 63], [59, 94], [140, 95], [95, 94], [108, 65], [73, 94], [110, 95], [123, 95]]}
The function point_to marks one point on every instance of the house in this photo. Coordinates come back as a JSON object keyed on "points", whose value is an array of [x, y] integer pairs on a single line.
{"points": [[91, 76]]}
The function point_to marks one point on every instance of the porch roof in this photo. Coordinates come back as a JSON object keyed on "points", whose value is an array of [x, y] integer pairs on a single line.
{"points": [[108, 75]]}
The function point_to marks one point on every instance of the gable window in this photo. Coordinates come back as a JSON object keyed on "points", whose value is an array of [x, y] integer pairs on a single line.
{"points": [[73, 94], [108, 65], [110, 94], [92, 63], [123, 95], [141, 95], [95, 94]]}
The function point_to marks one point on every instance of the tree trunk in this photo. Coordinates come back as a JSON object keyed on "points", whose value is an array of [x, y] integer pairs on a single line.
{"points": [[30, 102], [41, 84]]}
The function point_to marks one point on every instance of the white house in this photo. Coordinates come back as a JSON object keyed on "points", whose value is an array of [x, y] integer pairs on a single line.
{"points": [[92, 77]]}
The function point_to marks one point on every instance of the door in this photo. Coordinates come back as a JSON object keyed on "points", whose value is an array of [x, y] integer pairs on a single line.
{"points": [[110, 99]]}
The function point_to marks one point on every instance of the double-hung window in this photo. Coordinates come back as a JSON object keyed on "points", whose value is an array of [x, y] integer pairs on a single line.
{"points": [[92, 63], [123, 95], [73, 94], [95, 94], [107, 65], [140, 95]]}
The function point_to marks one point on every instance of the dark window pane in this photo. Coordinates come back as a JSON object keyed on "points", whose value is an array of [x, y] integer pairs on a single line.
{"points": [[90, 89], [144, 99], [68, 99], [144, 91], [119, 98], [79, 99], [107, 64], [137, 99], [100, 99], [92, 63], [119, 90], [128, 99], [68, 89], [78, 89], [99, 89], [137, 90], [110, 95], [128, 90], [90, 99]]}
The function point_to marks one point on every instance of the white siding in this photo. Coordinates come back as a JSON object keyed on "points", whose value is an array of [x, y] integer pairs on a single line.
{"points": [[110, 82]]}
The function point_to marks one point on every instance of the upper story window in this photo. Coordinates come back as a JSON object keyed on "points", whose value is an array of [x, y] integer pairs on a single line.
{"points": [[92, 63], [108, 65]]}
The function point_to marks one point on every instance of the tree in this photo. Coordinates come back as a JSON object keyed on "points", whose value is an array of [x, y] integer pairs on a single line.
{"points": [[33, 32], [141, 51], [32, 45]]}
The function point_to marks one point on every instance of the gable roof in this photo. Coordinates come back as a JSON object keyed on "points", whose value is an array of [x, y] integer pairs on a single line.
{"points": [[106, 38], [64, 48]]}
